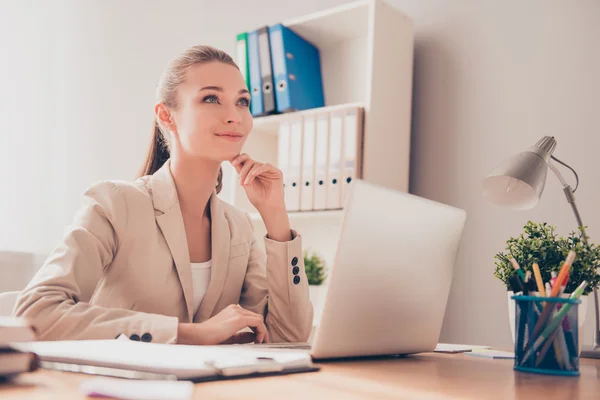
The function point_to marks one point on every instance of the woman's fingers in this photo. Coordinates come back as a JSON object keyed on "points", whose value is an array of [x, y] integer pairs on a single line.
{"points": [[238, 162], [263, 339], [246, 318], [248, 164], [257, 324], [256, 170]]}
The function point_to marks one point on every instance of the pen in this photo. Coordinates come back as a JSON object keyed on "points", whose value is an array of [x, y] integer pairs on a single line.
{"points": [[552, 279], [564, 284], [532, 289], [515, 265], [567, 340], [516, 284], [548, 288], [555, 289], [555, 322], [564, 349], [545, 347], [560, 345], [538, 279], [529, 282], [557, 345]]}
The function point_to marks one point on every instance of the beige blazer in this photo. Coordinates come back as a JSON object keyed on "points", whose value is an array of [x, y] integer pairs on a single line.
{"points": [[123, 267]]}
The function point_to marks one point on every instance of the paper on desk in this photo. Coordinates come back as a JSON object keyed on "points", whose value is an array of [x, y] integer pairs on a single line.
{"points": [[492, 353], [138, 390], [457, 348]]}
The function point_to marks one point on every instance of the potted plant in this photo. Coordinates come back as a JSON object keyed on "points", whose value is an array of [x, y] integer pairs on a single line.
{"points": [[538, 243], [314, 266]]}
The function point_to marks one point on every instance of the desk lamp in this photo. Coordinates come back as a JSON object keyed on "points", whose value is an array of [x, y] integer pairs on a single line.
{"points": [[518, 183]]}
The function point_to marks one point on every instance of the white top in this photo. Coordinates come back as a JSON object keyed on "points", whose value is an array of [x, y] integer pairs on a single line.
{"points": [[200, 280]]}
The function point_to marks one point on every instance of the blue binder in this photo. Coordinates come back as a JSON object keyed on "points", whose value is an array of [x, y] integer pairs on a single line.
{"points": [[256, 97], [296, 69]]}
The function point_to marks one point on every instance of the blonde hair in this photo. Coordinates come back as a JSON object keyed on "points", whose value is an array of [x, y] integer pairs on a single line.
{"points": [[166, 93]]}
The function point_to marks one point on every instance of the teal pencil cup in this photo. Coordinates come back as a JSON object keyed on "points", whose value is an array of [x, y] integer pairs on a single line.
{"points": [[546, 335]]}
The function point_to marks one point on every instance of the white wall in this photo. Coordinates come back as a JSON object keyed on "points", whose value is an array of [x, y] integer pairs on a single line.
{"points": [[491, 78], [80, 95]]}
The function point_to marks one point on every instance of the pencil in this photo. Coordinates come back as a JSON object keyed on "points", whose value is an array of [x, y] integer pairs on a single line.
{"points": [[555, 290], [538, 279], [555, 322]]}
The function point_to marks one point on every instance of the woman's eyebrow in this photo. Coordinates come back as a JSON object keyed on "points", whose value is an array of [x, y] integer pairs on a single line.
{"points": [[220, 89]]}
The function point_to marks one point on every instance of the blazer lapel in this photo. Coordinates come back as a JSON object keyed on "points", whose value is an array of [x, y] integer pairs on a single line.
{"points": [[220, 242], [170, 221]]}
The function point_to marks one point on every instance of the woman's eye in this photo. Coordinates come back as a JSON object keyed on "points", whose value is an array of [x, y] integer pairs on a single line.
{"points": [[244, 101], [211, 99]]}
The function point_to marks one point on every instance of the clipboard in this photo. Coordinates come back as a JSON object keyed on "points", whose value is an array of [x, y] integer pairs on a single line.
{"points": [[153, 361]]}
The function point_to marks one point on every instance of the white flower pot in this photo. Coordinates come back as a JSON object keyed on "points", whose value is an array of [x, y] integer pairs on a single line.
{"points": [[317, 298], [581, 314]]}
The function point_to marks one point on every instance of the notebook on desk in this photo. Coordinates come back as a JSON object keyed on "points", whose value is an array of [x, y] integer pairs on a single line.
{"points": [[139, 360]]}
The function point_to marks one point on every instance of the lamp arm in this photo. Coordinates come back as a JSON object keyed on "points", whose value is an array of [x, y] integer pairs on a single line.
{"points": [[572, 170], [571, 199], [557, 173], [569, 194]]}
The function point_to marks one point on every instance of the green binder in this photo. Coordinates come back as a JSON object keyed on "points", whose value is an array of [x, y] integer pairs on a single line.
{"points": [[241, 56]]}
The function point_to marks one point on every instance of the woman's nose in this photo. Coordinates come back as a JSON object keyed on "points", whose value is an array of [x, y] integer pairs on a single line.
{"points": [[232, 115]]}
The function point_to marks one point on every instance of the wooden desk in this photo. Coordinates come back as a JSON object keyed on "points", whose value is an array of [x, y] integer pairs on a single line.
{"points": [[427, 376]]}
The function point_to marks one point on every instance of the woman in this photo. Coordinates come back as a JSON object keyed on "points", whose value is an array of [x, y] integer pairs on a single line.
{"points": [[163, 259]]}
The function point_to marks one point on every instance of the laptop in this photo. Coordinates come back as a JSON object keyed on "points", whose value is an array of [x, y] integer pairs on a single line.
{"points": [[391, 277]]}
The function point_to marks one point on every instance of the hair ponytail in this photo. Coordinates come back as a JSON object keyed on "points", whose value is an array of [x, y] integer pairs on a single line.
{"points": [[158, 153]]}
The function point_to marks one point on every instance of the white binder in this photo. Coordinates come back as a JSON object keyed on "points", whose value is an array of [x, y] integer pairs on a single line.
{"points": [[321, 162], [283, 159], [352, 146], [308, 165], [295, 171], [334, 171]]}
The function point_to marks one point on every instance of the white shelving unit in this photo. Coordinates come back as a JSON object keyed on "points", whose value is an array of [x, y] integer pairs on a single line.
{"points": [[366, 50]]}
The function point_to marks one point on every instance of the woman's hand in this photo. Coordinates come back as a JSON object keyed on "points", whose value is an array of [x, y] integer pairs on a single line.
{"points": [[264, 187], [263, 183], [223, 328]]}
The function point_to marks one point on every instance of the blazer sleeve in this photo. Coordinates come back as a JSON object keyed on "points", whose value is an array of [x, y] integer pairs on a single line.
{"points": [[276, 286], [56, 301]]}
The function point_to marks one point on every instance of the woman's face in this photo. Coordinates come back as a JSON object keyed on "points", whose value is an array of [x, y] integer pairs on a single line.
{"points": [[213, 117]]}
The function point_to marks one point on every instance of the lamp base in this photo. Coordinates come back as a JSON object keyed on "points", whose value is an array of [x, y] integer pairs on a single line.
{"points": [[590, 352]]}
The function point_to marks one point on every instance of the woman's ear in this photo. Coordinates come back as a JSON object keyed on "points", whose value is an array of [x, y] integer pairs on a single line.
{"points": [[164, 117]]}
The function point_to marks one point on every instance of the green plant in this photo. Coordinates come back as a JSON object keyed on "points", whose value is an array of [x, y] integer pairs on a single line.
{"points": [[540, 244], [314, 267]]}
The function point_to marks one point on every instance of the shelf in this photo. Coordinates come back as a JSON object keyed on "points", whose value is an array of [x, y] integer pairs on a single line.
{"points": [[367, 58], [334, 25], [270, 124], [295, 215]]}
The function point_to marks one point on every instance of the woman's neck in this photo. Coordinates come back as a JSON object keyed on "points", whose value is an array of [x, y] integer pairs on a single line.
{"points": [[195, 180]]}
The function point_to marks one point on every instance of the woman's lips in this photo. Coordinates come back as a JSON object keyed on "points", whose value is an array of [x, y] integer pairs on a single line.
{"points": [[231, 136]]}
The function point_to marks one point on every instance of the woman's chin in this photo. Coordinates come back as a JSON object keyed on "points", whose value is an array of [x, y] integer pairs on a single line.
{"points": [[230, 156]]}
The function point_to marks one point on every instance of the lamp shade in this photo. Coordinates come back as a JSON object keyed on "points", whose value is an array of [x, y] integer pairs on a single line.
{"points": [[519, 182]]}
